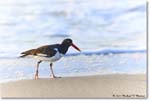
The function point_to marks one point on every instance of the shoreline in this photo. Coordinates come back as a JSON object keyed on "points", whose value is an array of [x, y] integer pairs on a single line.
{"points": [[98, 86]]}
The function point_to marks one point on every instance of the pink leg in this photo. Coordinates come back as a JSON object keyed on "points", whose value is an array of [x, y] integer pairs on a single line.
{"points": [[53, 75], [36, 73]]}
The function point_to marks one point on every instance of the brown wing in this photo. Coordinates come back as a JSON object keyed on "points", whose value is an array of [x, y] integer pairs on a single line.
{"points": [[29, 52], [47, 50]]}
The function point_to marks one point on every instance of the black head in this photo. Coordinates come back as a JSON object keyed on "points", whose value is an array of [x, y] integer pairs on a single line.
{"points": [[67, 42]]}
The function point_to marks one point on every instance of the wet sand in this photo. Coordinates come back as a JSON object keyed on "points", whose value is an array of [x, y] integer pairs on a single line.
{"points": [[99, 86]]}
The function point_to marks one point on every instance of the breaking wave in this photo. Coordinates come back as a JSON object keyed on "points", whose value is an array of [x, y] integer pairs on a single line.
{"points": [[108, 51]]}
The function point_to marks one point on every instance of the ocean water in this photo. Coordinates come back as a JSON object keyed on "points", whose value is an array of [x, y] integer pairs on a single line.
{"points": [[110, 33]]}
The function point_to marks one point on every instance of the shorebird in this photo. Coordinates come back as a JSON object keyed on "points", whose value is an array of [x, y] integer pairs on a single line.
{"points": [[49, 53]]}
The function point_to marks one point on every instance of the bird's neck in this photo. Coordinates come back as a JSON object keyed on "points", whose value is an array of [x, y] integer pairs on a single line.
{"points": [[63, 48]]}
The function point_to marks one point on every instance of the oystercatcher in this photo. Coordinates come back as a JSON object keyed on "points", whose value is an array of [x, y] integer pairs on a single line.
{"points": [[49, 53]]}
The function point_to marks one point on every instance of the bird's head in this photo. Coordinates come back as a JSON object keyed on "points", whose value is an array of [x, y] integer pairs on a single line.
{"points": [[69, 42]]}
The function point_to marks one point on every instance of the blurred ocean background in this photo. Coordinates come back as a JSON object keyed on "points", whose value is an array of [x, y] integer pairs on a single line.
{"points": [[110, 33]]}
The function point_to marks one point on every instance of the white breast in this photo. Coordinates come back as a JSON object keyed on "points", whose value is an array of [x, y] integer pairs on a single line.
{"points": [[54, 58]]}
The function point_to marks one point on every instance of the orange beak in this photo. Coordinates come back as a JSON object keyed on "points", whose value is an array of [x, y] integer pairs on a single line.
{"points": [[74, 46]]}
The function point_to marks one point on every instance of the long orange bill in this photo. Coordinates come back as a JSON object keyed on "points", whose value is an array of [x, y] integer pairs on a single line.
{"points": [[74, 46]]}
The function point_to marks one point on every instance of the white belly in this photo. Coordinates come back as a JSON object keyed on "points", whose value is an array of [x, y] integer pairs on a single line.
{"points": [[54, 58]]}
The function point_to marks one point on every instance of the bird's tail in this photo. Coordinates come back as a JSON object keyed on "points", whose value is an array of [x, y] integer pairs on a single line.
{"points": [[29, 52], [24, 55]]}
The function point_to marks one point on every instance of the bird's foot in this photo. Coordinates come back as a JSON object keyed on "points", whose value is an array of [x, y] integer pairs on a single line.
{"points": [[36, 77], [53, 77]]}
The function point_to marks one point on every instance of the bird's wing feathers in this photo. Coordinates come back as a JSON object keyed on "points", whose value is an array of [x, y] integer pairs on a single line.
{"points": [[47, 50]]}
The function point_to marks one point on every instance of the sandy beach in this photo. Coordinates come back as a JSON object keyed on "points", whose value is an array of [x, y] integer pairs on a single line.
{"points": [[100, 86]]}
